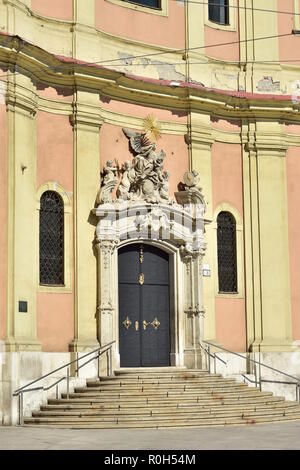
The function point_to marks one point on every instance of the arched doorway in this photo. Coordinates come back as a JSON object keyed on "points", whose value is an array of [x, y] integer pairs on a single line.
{"points": [[144, 306]]}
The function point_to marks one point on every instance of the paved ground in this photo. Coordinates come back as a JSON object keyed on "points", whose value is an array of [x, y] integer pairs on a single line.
{"points": [[274, 436]]}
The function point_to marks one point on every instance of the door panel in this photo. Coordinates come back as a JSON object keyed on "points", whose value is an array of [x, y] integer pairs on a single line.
{"points": [[155, 266], [155, 339], [129, 264], [147, 301], [130, 347]]}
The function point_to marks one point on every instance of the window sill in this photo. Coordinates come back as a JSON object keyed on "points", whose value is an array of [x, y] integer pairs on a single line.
{"points": [[54, 289], [229, 295], [162, 11], [221, 27]]}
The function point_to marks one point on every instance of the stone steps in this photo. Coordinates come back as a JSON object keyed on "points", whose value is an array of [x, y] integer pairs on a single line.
{"points": [[210, 420], [140, 409], [167, 397], [173, 413], [169, 394]]}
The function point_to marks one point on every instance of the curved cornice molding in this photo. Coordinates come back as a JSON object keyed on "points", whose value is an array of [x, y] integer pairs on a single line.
{"points": [[17, 55]]}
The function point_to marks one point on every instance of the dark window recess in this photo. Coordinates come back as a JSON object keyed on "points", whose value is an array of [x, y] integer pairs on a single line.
{"points": [[218, 11], [51, 239], [227, 266], [147, 3]]}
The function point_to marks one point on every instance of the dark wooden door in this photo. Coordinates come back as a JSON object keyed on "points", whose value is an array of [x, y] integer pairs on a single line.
{"points": [[144, 308]]}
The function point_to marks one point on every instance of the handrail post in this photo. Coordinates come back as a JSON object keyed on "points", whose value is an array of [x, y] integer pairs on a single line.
{"points": [[68, 383], [98, 365], [56, 393], [255, 375], [215, 363], [110, 362], [208, 353], [76, 368], [298, 392], [107, 363], [21, 413]]}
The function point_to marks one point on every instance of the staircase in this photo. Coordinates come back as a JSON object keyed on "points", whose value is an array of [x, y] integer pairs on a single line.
{"points": [[161, 398]]}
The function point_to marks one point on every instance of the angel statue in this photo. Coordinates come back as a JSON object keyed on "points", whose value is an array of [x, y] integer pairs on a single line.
{"points": [[108, 182], [147, 166], [128, 176]]}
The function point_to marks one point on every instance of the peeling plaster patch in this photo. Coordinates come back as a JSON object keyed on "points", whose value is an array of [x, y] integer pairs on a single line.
{"points": [[180, 3], [168, 71], [296, 91], [224, 81], [126, 59], [2, 92], [268, 84], [145, 62]]}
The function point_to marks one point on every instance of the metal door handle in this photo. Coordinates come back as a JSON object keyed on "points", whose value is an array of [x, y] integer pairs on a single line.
{"points": [[145, 324], [127, 323], [136, 326], [155, 323]]}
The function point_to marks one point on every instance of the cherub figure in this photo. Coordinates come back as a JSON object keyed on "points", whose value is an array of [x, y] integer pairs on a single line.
{"points": [[127, 178]]}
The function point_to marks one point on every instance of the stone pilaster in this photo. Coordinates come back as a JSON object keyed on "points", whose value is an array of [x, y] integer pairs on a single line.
{"points": [[266, 238], [200, 143], [86, 127], [22, 241], [193, 308]]}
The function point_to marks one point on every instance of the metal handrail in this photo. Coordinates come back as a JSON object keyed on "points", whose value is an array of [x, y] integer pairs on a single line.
{"points": [[258, 380], [97, 353]]}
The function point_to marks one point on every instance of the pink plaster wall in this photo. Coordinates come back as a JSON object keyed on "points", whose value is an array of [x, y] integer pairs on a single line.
{"points": [[54, 150], [231, 323], [150, 28], [289, 45], [114, 144], [225, 125], [293, 193], [292, 129], [213, 36], [227, 184], [227, 180], [129, 109], [3, 236], [60, 9], [61, 94], [55, 311], [55, 321]]}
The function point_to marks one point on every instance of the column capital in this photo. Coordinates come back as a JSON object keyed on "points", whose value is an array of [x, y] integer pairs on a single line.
{"points": [[85, 116], [200, 136], [25, 103]]}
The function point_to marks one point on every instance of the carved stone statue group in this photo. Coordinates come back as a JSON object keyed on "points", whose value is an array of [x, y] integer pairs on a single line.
{"points": [[143, 179]]}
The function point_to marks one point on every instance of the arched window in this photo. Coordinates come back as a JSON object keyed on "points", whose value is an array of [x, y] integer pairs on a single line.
{"points": [[51, 239], [218, 11], [227, 263]]}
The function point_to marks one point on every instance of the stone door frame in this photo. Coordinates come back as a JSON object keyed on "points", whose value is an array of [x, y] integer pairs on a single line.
{"points": [[186, 247]]}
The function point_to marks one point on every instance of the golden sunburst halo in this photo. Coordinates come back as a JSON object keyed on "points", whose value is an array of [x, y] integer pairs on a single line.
{"points": [[152, 127]]}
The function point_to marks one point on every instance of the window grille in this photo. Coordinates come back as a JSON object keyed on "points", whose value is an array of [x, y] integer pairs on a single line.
{"points": [[227, 264], [51, 239], [218, 11]]}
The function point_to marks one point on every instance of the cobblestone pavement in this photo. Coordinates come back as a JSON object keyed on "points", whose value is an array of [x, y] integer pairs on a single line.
{"points": [[275, 436]]}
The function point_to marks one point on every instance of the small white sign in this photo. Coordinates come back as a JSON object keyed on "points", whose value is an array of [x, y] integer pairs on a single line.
{"points": [[206, 270]]}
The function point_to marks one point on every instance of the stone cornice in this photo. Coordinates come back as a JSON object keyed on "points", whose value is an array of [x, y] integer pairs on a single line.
{"points": [[66, 72]]}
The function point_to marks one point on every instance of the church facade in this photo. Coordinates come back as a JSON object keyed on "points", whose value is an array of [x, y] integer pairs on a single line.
{"points": [[149, 165]]}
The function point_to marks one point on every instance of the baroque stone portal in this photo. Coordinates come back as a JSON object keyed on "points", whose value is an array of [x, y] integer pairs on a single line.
{"points": [[134, 206]]}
